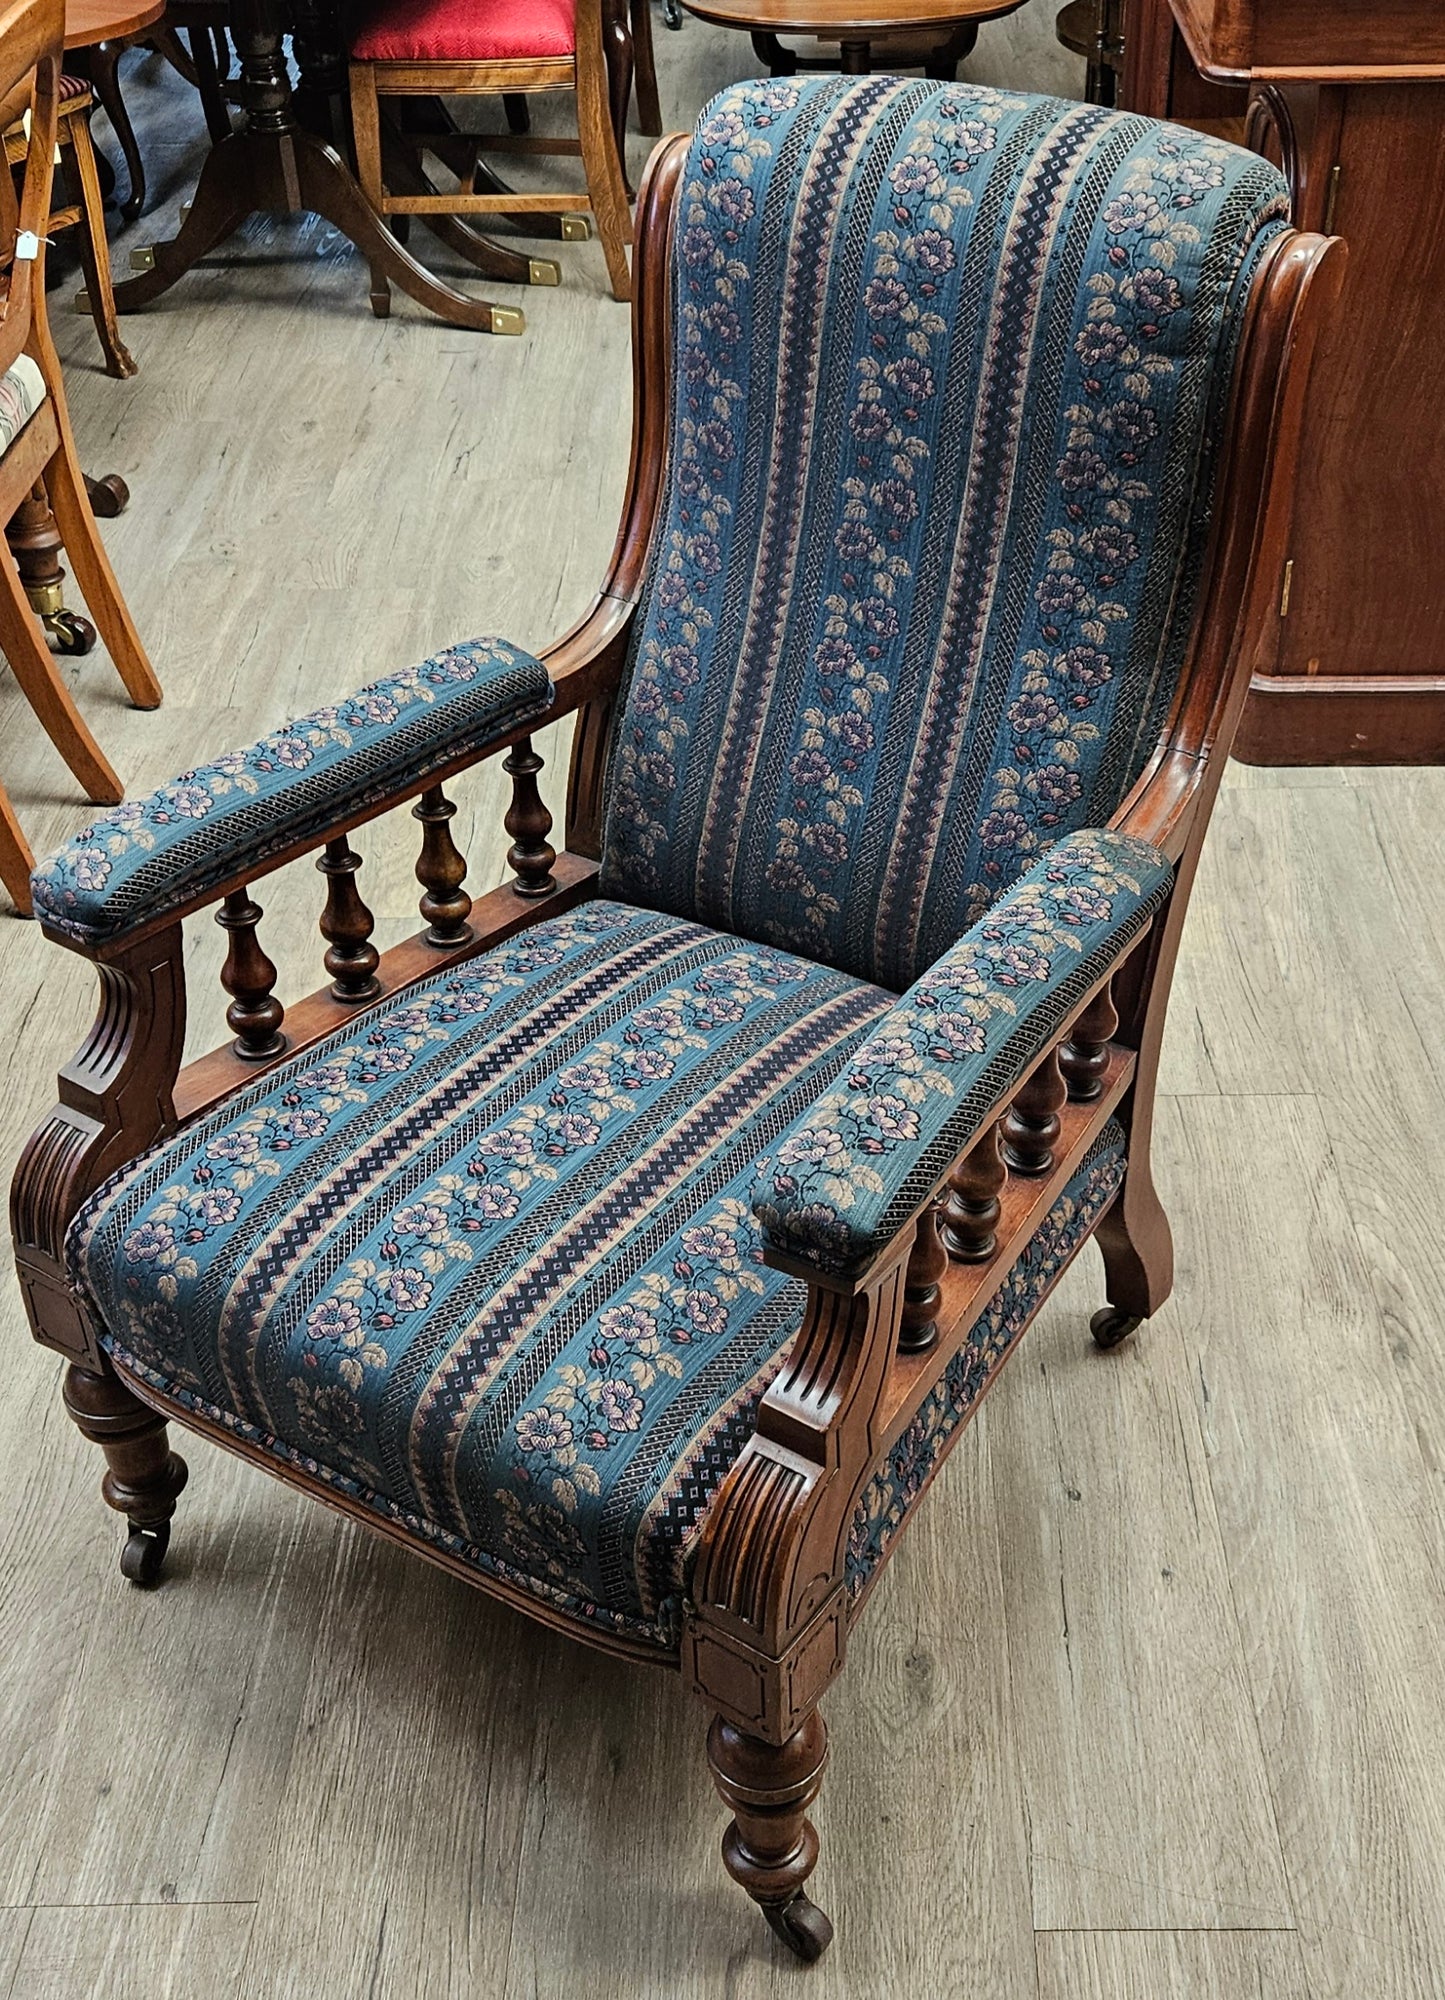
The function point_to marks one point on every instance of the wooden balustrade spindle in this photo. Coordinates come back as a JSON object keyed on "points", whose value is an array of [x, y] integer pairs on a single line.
{"points": [[922, 1295], [248, 976], [1084, 1057], [528, 821], [445, 904], [347, 924], [971, 1211], [1031, 1123]]}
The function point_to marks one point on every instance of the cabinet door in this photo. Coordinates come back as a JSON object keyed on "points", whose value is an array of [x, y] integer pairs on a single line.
{"points": [[1367, 588]]}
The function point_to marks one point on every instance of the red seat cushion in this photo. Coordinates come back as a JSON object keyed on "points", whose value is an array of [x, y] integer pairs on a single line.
{"points": [[464, 30]]}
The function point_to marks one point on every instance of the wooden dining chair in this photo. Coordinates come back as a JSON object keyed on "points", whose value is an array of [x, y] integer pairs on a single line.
{"points": [[451, 48], [83, 211], [636, 1241], [38, 465]]}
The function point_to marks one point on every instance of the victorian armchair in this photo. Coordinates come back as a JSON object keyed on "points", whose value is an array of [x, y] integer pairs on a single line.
{"points": [[636, 1240]]}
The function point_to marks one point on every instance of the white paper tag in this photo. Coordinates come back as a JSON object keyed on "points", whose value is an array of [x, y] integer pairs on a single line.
{"points": [[27, 247]]}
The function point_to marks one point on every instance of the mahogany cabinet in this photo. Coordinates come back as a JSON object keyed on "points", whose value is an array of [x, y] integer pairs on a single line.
{"points": [[1350, 99]]}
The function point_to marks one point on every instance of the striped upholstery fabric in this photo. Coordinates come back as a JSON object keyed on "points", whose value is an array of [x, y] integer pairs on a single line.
{"points": [[485, 1259], [22, 391], [950, 365]]}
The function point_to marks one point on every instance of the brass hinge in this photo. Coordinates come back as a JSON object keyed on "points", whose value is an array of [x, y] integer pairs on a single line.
{"points": [[1285, 590]]}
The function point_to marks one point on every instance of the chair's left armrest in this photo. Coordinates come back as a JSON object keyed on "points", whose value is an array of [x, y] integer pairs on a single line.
{"points": [[147, 858], [860, 1163]]}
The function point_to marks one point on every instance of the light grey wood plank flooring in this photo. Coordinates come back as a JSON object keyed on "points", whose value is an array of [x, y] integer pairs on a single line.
{"points": [[1148, 1707]]}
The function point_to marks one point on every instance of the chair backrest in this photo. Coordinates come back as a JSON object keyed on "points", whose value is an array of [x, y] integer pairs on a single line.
{"points": [[950, 368], [32, 35]]}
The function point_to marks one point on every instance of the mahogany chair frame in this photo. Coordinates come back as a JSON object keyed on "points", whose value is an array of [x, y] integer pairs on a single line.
{"points": [[598, 143], [40, 469], [767, 1629]]}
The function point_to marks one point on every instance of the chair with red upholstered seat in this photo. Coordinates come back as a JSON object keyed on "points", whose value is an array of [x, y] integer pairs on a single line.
{"points": [[454, 48]]}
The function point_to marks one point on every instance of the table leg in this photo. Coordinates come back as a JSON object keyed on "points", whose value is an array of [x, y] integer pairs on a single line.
{"points": [[853, 58]]}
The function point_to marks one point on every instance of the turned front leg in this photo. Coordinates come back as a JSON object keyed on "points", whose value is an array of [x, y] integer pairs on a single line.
{"points": [[143, 1476], [771, 1847]]}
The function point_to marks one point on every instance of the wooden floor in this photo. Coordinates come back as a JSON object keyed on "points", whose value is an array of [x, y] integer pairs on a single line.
{"points": [[1149, 1707]]}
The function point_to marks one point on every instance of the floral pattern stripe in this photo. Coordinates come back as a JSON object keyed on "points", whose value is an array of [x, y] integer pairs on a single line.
{"points": [[897, 1486], [950, 366], [485, 1256], [860, 1161], [149, 855]]}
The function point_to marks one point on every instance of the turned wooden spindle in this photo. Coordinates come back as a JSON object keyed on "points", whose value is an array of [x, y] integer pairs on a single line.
{"points": [[445, 904], [1084, 1057], [1031, 1123], [922, 1294], [971, 1211], [528, 821], [347, 924], [248, 975]]}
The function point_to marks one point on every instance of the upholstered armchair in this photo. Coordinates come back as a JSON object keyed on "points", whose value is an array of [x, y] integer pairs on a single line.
{"points": [[636, 1241]]}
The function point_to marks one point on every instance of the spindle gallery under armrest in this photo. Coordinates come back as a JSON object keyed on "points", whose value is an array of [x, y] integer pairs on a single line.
{"points": [[494, 918]]}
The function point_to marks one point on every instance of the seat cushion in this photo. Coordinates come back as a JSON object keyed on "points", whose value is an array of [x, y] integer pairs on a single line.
{"points": [[484, 1260], [464, 30], [22, 391]]}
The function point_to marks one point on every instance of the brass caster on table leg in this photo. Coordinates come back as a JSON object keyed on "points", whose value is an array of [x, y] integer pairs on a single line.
{"points": [[543, 271], [144, 1555], [1110, 1327], [143, 259], [576, 229], [506, 319], [801, 1925]]}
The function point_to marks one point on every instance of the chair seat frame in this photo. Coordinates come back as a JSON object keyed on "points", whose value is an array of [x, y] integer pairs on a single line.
{"points": [[766, 1631]]}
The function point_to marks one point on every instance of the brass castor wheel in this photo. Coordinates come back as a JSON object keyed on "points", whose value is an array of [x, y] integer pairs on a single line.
{"points": [[73, 635], [1110, 1326], [144, 1555], [801, 1925]]}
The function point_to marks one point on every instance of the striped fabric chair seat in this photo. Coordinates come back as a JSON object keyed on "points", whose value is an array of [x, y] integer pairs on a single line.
{"points": [[22, 391], [485, 1258]]}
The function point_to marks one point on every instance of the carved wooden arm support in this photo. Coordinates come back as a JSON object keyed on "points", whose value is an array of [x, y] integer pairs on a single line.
{"points": [[963, 1081]]}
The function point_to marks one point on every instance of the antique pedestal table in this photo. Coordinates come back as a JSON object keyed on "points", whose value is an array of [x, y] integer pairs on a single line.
{"points": [[280, 161], [934, 35]]}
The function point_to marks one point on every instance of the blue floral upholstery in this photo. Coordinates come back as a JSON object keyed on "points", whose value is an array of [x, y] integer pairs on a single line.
{"points": [[868, 1153], [895, 1490], [149, 855], [484, 1259], [950, 368]]}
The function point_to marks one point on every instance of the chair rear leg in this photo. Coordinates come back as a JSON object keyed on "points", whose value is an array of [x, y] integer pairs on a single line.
{"points": [[1138, 1249], [143, 1478], [603, 168], [65, 483], [16, 860], [771, 1847], [43, 687], [77, 163], [649, 104]]}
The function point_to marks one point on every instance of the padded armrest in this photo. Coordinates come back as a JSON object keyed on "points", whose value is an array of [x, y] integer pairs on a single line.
{"points": [[843, 1180], [146, 856]]}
